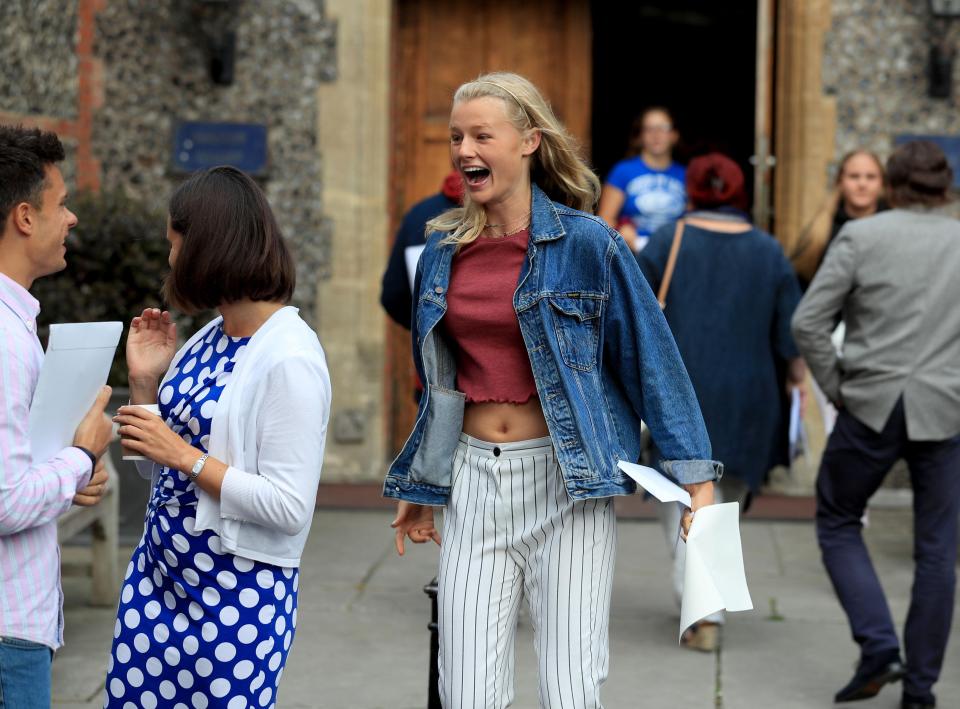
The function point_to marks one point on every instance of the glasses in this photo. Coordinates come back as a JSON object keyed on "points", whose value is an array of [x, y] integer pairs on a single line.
{"points": [[659, 128]]}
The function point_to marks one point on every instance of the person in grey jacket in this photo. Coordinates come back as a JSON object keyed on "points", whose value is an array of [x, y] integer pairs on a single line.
{"points": [[893, 276]]}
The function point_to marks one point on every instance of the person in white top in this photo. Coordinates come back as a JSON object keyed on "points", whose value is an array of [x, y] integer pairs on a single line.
{"points": [[236, 455]]}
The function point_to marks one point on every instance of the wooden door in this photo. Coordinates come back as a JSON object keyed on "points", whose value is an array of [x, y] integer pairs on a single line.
{"points": [[438, 45]]}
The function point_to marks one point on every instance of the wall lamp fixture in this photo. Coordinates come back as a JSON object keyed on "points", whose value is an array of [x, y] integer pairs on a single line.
{"points": [[942, 50], [215, 22]]}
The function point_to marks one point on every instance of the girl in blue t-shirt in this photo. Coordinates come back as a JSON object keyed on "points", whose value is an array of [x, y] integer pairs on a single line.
{"points": [[646, 190]]}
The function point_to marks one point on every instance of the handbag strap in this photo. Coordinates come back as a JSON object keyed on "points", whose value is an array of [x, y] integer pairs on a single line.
{"points": [[671, 264]]}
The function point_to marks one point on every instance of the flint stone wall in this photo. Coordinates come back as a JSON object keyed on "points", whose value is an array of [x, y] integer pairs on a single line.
{"points": [[875, 64], [154, 60]]}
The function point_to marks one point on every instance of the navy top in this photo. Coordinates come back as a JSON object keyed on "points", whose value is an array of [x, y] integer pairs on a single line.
{"points": [[729, 307], [395, 296]]}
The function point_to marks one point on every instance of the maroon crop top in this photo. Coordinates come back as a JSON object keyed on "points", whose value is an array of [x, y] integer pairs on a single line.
{"points": [[481, 325]]}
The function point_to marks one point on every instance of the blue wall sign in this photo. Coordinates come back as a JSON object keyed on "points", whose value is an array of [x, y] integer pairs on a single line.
{"points": [[200, 145], [949, 144]]}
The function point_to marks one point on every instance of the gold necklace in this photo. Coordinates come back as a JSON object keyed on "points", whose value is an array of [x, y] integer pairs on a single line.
{"points": [[521, 223]]}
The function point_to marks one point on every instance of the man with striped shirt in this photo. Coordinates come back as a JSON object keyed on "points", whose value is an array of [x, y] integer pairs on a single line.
{"points": [[35, 223]]}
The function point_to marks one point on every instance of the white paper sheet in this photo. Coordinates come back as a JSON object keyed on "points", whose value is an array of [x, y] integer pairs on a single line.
{"points": [[796, 433], [411, 256], [714, 576], [76, 365], [656, 484]]}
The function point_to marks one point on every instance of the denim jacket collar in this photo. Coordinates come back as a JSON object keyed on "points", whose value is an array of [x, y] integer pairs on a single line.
{"points": [[545, 223]]}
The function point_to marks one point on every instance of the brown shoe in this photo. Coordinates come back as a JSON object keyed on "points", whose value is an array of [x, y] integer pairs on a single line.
{"points": [[704, 637]]}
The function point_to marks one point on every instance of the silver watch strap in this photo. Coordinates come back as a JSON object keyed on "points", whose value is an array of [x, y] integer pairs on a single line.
{"points": [[198, 466]]}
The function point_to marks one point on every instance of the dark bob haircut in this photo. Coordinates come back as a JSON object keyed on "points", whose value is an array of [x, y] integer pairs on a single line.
{"points": [[918, 173], [232, 248], [24, 155]]}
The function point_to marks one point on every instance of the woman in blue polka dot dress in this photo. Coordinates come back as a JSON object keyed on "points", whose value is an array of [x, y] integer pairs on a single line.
{"points": [[208, 608]]}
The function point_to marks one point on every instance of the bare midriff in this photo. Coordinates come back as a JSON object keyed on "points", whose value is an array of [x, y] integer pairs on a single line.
{"points": [[502, 423]]}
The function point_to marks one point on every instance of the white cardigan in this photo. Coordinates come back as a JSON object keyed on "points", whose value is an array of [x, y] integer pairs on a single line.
{"points": [[269, 427]]}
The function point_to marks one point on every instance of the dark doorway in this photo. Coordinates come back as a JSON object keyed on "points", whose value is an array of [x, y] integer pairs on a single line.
{"points": [[696, 57]]}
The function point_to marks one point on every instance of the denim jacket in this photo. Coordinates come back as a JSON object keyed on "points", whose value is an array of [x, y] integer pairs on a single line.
{"points": [[602, 357]]}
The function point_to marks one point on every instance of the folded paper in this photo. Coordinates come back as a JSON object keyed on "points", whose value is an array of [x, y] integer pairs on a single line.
{"points": [[714, 576], [75, 367]]}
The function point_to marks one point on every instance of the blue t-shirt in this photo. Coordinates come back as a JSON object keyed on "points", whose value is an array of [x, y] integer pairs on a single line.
{"points": [[653, 197]]}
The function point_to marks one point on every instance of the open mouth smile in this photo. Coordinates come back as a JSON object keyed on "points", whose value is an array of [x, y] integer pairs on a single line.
{"points": [[474, 175]]}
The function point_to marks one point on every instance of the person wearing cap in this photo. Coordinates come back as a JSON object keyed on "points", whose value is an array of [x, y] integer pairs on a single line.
{"points": [[729, 305]]}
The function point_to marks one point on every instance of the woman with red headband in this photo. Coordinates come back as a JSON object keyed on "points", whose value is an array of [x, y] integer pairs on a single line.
{"points": [[729, 304]]}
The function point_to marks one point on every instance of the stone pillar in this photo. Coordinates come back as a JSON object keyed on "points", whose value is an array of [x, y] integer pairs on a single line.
{"points": [[804, 147], [805, 118], [352, 137]]}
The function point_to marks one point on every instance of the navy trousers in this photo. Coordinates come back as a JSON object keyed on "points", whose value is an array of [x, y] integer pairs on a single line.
{"points": [[853, 467]]}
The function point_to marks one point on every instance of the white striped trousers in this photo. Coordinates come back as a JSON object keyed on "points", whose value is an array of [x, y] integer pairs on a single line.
{"points": [[510, 530]]}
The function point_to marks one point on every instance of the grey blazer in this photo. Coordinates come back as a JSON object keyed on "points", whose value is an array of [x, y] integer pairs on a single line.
{"points": [[895, 278]]}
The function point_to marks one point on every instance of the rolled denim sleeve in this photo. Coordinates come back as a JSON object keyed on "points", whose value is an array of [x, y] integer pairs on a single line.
{"points": [[638, 339]]}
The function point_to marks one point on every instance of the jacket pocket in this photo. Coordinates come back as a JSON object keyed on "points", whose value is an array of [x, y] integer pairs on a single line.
{"points": [[576, 323], [433, 461]]}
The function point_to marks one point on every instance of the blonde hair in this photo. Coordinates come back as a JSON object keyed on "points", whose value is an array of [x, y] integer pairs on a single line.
{"points": [[556, 166], [854, 153]]}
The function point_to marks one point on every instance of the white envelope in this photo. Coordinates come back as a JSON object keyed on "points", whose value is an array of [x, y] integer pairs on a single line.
{"points": [[75, 367]]}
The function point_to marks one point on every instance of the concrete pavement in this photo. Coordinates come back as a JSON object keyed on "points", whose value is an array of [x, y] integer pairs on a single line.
{"points": [[362, 641]]}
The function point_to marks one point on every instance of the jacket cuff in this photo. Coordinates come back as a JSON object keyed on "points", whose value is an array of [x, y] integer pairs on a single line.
{"points": [[235, 495], [687, 472]]}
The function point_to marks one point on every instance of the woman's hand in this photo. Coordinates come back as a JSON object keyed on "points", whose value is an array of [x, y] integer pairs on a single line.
{"points": [[797, 379], [146, 434], [701, 495], [414, 521], [151, 345]]}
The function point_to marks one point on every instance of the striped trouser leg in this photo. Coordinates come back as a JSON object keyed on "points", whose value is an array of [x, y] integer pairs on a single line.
{"points": [[480, 587], [509, 529], [569, 578]]}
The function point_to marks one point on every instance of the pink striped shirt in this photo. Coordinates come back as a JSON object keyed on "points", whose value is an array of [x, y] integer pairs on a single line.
{"points": [[32, 495]]}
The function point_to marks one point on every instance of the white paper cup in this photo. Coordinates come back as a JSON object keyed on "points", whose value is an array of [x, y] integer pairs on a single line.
{"points": [[153, 409]]}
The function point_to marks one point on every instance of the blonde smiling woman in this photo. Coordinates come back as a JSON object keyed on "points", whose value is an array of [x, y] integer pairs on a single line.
{"points": [[540, 346]]}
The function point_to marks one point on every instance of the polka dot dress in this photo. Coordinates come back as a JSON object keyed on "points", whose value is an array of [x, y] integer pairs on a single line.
{"points": [[197, 627]]}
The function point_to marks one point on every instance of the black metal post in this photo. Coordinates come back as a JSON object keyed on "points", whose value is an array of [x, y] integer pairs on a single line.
{"points": [[433, 684]]}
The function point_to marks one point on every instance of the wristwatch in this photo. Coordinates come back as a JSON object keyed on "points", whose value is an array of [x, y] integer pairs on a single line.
{"points": [[198, 466]]}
